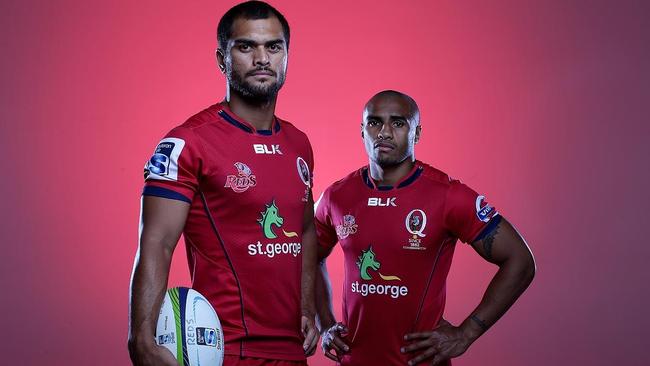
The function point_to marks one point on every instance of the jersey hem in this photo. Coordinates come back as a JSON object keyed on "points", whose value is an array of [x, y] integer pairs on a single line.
{"points": [[268, 355]]}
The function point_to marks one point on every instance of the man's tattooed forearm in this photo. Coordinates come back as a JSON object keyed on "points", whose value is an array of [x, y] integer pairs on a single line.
{"points": [[480, 323]]}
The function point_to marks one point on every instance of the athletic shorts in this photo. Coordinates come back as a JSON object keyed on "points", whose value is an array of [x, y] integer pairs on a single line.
{"points": [[234, 360]]}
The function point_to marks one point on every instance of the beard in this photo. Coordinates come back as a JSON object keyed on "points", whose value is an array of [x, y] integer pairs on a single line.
{"points": [[255, 92]]}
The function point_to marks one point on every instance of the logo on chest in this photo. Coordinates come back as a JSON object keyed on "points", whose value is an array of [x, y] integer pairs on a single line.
{"points": [[347, 228], [382, 202], [243, 180], [416, 222], [270, 221], [368, 265], [267, 149]]}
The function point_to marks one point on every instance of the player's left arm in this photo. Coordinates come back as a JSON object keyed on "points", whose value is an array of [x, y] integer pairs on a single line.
{"points": [[308, 283], [502, 245]]}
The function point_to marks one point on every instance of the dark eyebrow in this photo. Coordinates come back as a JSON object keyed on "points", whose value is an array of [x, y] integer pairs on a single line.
{"points": [[252, 43], [273, 42], [391, 117], [248, 42]]}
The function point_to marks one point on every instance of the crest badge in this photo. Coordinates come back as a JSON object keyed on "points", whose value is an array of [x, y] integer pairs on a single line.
{"points": [[416, 222]]}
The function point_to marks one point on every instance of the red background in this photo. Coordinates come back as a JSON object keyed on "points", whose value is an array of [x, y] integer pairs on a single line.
{"points": [[541, 106]]}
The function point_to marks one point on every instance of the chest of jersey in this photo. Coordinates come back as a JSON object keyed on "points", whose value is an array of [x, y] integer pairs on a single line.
{"points": [[255, 188], [391, 239]]}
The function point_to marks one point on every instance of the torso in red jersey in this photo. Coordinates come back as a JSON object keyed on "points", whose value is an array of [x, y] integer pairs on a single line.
{"points": [[398, 244], [247, 189]]}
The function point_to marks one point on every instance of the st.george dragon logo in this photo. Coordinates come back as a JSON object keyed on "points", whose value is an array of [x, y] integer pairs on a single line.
{"points": [[368, 262], [269, 221], [271, 217]]}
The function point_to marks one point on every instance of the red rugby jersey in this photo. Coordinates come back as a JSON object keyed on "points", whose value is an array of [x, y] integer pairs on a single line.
{"points": [[398, 244], [247, 189]]}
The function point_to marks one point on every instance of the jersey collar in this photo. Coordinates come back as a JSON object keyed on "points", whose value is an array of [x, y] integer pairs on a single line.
{"points": [[408, 179], [229, 117]]}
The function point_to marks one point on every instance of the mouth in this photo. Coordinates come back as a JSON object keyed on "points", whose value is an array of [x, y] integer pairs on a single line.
{"points": [[384, 146], [262, 73]]}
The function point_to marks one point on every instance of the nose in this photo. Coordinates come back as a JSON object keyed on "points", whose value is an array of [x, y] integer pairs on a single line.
{"points": [[261, 57], [386, 132]]}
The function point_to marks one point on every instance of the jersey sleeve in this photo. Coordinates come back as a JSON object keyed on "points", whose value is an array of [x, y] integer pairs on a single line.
{"points": [[466, 212], [173, 170], [310, 163], [325, 231]]}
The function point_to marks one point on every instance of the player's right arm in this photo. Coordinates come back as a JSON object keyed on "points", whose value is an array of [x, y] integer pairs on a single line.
{"points": [[332, 332], [161, 224]]}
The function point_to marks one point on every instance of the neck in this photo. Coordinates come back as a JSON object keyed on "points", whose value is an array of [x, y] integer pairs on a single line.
{"points": [[260, 114], [390, 175]]}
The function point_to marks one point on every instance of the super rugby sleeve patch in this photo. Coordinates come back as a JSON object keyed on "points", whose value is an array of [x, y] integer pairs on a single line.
{"points": [[173, 169], [466, 212], [163, 164]]}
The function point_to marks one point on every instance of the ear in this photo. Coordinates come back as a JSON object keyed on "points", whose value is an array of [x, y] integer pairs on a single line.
{"points": [[418, 130], [220, 60], [362, 136]]}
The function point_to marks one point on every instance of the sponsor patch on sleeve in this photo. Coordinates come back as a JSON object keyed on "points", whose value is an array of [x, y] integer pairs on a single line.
{"points": [[484, 211], [163, 164]]}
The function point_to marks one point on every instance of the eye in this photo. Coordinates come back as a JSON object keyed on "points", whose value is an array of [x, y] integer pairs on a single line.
{"points": [[243, 47], [372, 122], [275, 47], [398, 123]]}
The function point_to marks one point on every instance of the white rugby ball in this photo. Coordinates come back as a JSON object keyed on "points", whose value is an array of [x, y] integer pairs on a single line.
{"points": [[189, 327]]}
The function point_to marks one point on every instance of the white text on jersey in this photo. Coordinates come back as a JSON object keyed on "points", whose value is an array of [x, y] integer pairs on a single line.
{"points": [[264, 149], [381, 202]]}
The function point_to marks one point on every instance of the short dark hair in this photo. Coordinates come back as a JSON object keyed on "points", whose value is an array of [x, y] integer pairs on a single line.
{"points": [[250, 10], [415, 110]]}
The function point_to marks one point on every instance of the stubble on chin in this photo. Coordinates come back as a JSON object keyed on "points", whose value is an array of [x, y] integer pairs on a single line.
{"points": [[262, 92]]}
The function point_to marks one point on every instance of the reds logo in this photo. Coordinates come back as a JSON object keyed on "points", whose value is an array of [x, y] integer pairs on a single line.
{"points": [[243, 180], [348, 227]]}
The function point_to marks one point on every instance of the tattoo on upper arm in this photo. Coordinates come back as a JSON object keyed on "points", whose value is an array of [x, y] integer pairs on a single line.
{"points": [[488, 241]]}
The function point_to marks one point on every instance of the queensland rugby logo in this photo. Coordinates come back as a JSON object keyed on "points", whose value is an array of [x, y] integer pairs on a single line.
{"points": [[347, 228], [243, 180], [305, 177], [303, 171], [416, 222], [484, 212]]}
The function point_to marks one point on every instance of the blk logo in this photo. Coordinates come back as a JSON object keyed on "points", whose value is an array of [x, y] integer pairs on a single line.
{"points": [[381, 202], [267, 149]]}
